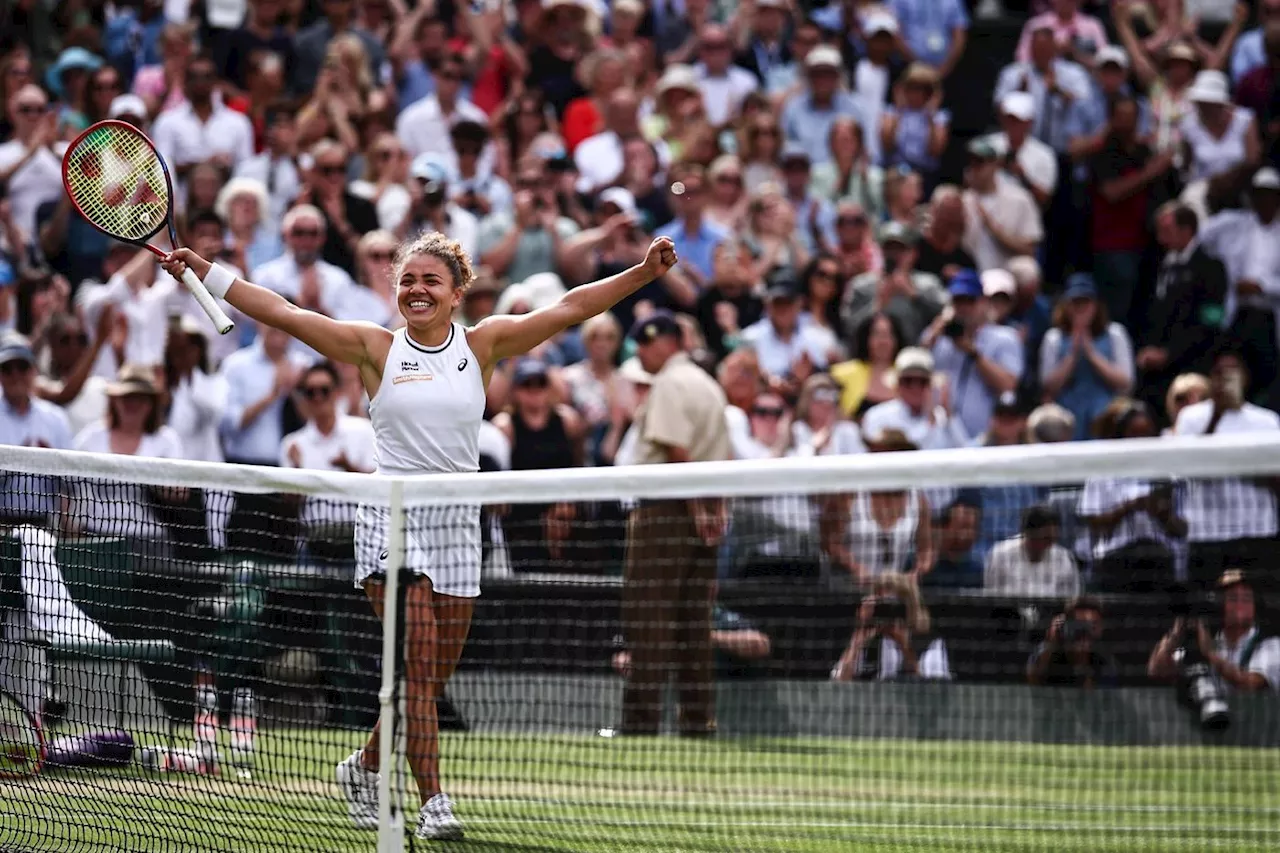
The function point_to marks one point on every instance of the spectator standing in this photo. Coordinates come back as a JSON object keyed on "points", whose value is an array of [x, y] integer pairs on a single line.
{"points": [[1185, 316], [1025, 159], [260, 31], [1002, 220], [913, 298], [1085, 360], [1127, 180], [671, 559], [1070, 655], [600, 158], [919, 409], [875, 71], [1249, 51], [253, 239], [695, 238], [327, 441], [476, 190], [1002, 505], [849, 174], [543, 435], [866, 380], [789, 351], [1256, 89], [1054, 81], [424, 127], [873, 533], [276, 167], [432, 209], [1231, 521], [934, 32], [1076, 34], [300, 274], [1221, 138], [593, 382], [957, 567], [202, 128], [981, 360], [940, 251], [197, 396], [808, 114], [346, 216], [729, 305], [1138, 532], [27, 421], [1032, 564], [533, 236], [310, 46], [722, 84], [1248, 244], [915, 131], [30, 160], [763, 46]]}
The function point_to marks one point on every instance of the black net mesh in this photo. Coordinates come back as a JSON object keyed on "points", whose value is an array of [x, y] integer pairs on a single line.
{"points": [[888, 670]]}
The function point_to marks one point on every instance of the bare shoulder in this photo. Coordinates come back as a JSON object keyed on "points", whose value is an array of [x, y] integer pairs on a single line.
{"points": [[377, 341], [482, 336]]}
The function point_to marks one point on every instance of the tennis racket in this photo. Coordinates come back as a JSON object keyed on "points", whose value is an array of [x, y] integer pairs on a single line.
{"points": [[21, 741], [119, 183]]}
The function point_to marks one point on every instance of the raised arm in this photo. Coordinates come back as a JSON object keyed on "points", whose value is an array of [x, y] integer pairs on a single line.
{"points": [[505, 336], [361, 344]]}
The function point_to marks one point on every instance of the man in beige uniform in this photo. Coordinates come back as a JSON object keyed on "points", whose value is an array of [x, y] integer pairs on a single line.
{"points": [[671, 550]]}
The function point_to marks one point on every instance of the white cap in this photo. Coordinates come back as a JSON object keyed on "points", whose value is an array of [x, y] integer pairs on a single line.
{"points": [[913, 358], [127, 105], [1020, 105], [678, 77], [619, 197], [998, 281], [1266, 178], [824, 56], [1113, 54], [880, 23], [1210, 87]]}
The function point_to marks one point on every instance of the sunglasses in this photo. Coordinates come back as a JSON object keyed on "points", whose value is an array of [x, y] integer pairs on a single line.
{"points": [[1181, 399], [851, 220], [388, 155], [767, 412], [64, 340], [330, 171], [316, 392], [306, 232], [30, 109], [736, 180], [451, 76], [200, 76], [11, 367], [913, 381], [19, 71], [110, 85], [534, 384], [826, 272]]}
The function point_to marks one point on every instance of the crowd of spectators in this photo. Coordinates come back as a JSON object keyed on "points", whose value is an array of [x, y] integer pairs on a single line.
{"points": [[1102, 261]]}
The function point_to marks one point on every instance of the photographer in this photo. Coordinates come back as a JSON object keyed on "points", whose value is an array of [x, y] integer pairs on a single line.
{"points": [[892, 639], [1069, 655], [1240, 655], [432, 211]]}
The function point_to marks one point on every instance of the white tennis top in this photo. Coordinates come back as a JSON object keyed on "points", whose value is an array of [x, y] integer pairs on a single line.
{"points": [[427, 412]]}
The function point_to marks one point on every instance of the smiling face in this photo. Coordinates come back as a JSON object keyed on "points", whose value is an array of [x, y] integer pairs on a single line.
{"points": [[426, 294]]}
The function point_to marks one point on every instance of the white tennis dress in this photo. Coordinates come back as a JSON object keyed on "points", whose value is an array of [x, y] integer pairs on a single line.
{"points": [[426, 420]]}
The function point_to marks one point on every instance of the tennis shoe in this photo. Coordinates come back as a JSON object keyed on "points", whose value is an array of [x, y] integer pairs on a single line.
{"points": [[436, 820], [360, 786]]}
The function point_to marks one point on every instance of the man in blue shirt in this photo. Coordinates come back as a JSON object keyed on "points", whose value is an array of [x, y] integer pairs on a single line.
{"points": [[980, 359], [934, 31], [807, 116], [696, 239], [1249, 52]]}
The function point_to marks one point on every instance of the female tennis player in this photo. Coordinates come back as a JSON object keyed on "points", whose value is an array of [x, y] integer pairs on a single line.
{"points": [[426, 385]]}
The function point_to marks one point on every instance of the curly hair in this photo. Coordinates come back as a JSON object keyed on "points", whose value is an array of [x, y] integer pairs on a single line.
{"points": [[438, 246]]}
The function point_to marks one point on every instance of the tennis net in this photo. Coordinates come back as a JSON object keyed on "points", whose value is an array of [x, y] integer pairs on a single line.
{"points": [[824, 653]]}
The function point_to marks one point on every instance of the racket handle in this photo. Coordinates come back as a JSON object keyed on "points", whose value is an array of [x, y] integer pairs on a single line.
{"points": [[219, 317]]}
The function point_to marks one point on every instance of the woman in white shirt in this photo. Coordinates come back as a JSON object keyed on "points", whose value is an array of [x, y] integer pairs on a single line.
{"points": [[819, 429], [1219, 135], [873, 533], [197, 397], [134, 426], [893, 637], [592, 382]]}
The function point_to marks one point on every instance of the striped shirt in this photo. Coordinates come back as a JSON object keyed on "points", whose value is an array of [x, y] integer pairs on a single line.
{"points": [[1226, 508]]}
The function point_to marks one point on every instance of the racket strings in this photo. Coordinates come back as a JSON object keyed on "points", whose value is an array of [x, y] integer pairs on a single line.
{"points": [[117, 182]]}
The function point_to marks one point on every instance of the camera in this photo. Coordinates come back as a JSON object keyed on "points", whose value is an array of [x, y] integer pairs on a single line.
{"points": [[954, 329], [1198, 685], [1075, 630]]}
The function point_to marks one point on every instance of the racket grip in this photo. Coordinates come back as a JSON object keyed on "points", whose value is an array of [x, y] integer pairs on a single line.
{"points": [[219, 317]]}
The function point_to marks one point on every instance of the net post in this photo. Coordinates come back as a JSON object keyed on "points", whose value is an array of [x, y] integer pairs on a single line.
{"points": [[390, 810]]}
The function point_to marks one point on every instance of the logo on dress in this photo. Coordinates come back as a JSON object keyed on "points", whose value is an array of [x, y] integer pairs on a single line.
{"points": [[383, 556], [462, 365], [408, 365]]}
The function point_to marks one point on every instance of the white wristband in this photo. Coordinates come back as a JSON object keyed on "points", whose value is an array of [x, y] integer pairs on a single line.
{"points": [[219, 281]]}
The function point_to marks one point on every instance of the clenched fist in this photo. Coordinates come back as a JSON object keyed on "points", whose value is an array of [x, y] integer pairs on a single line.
{"points": [[661, 257]]}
